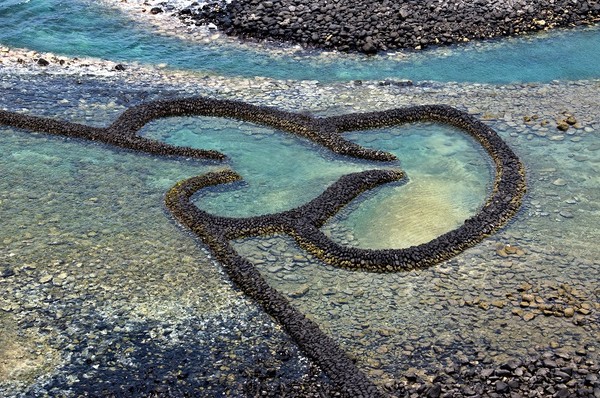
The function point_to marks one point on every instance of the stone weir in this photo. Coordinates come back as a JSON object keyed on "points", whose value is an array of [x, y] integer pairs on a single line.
{"points": [[373, 26], [303, 223]]}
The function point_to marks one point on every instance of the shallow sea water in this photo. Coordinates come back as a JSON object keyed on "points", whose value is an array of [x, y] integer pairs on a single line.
{"points": [[102, 276], [86, 28]]}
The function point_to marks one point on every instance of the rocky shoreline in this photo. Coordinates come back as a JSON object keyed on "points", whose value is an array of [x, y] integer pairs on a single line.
{"points": [[372, 27]]}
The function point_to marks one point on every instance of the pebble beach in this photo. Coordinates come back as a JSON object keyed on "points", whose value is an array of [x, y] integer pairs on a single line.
{"points": [[138, 306]]}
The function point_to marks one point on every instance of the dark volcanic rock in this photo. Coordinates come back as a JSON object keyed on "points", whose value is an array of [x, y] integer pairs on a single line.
{"points": [[370, 27], [6, 271]]}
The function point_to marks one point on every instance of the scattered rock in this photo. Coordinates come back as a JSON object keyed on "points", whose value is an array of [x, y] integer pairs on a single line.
{"points": [[566, 214], [501, 387], [525, 286], [528, 316], [301, 291], [5, 272], [559, 182], [562, 125], [498, 303], [530, 298], [434, 391], [509, 250]]}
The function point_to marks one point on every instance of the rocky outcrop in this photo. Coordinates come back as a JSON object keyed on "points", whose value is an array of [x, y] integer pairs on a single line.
{"points": [[373, 26]]}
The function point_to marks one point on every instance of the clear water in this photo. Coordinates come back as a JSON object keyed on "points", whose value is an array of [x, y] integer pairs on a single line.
{"points": [[84, 28], [281, 172], [448, 181]]}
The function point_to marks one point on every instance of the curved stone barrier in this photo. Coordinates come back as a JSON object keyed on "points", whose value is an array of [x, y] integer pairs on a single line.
{"points": [[503, 202], [120, 138], [124, 131], [303, 222]]}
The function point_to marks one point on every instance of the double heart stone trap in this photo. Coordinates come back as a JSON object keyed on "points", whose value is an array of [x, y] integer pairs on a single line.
{"points": [[303, 223]]}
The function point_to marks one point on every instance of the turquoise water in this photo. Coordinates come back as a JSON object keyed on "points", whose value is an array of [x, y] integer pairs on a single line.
{"points": [[281, 172], [449, 177], [84, 28]]}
